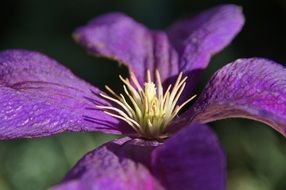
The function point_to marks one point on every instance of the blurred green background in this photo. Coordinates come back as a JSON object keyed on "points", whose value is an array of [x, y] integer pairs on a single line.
{"points": [[256, 154]]}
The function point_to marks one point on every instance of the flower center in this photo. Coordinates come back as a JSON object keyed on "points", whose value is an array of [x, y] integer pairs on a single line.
{"points": [[149, 109]]}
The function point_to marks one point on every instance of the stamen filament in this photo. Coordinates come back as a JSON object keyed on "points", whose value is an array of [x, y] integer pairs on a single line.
{"points": [[134, 79], [131, 123], [111, 91], [115, 101], [136, 107]]}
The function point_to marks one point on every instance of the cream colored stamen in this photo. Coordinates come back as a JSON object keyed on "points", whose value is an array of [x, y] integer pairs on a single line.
{"points": [[148, 110]]}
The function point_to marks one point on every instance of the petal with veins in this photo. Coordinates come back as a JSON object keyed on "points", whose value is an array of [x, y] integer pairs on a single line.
{"points": [[191, 159], [39, 97], [252, 88]]}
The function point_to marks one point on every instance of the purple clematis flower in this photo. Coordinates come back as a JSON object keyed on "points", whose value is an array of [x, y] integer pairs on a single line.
{"points": [[162, 150]]}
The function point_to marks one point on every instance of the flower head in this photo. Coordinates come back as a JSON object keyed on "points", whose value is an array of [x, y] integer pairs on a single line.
{"points": [[39, 97]]}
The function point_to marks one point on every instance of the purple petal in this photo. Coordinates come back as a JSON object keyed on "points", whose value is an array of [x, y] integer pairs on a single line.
{"points": [[119, 37], [192, 159], [138, 164], [250, 88], [198, 38], [106, 168], [39, 97]]}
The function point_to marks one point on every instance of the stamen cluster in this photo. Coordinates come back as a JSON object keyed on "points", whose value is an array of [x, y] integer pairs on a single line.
{"points": [[148, 110]]}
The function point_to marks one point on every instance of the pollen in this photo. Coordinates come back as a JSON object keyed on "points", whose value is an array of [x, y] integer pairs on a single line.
{"points": [[148, 109]]}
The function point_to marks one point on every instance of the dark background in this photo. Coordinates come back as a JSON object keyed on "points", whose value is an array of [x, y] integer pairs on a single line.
{"points": [[256, 154]]}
